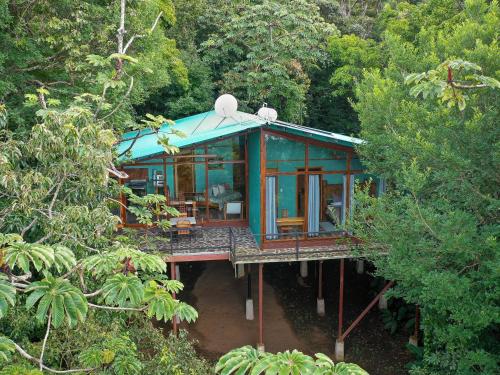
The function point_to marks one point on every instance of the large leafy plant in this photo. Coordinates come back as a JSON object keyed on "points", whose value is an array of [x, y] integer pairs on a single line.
{"points": [[59, 255], [250, 361]]}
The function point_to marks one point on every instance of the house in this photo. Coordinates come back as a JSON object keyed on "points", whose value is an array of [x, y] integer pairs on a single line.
{"points": [[256, 191]]}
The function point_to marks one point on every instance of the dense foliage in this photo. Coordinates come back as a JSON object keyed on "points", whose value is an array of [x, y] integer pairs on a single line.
{"points": [[430, 119], [248, 360], [418, 80]]}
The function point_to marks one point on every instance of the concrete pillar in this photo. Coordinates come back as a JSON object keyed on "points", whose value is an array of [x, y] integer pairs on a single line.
{"points": [[320, 306], [240, 271], [261, 348], [413, 340], [303, 269], [339, 350], [360, 266], [249, 309], [177, 273], [382, 302]]}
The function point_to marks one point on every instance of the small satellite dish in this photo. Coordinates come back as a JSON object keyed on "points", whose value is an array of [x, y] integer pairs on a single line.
{"points": [[226, 105], [267, 113]]}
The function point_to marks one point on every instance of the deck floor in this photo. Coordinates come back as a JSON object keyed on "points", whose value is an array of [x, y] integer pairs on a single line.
{"points": [[216, 241]]}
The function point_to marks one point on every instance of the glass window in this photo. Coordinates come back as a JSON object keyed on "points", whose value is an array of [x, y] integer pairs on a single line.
{"points": [[227, 149], [332, 202], [327, 159], [283, 154], [226, 192]]}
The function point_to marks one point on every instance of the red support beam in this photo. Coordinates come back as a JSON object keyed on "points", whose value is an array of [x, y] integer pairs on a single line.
{"points": [[198, 257], [172, 277], [341, 300], [123, 205], [417, 323], [165, 189], [261, 314], [366, 310]]}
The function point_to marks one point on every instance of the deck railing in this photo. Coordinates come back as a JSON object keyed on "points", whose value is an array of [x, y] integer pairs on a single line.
{"points": [[297, 240], [291, 245]]}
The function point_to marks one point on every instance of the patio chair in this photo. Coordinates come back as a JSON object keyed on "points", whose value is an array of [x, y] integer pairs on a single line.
{"points": [[233, 208], [184, 229]]}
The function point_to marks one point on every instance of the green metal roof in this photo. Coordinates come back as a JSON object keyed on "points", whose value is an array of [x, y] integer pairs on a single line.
{"points": [[199, 128], [207, 126]]}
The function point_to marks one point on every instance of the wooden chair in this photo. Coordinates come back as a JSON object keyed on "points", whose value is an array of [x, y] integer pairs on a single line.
{"points": [[233, 208], [184, 229]]}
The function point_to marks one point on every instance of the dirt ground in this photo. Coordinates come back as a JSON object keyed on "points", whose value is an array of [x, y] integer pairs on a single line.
{"points": [[290, 319]]}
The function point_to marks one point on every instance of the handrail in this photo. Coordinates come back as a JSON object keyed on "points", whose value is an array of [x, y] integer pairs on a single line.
{"points": [[230, 243], [298, 238]]}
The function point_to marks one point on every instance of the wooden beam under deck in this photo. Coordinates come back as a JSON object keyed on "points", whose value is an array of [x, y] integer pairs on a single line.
{"points": [[198, 257]]}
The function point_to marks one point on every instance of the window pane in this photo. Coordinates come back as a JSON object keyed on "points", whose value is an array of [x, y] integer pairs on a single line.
{"points": [[327, 159], [227, 149], [284, 155], [226, 191], [333, 202]]}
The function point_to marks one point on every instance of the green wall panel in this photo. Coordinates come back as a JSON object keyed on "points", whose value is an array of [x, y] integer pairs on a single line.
{"points": [[254, 183]]}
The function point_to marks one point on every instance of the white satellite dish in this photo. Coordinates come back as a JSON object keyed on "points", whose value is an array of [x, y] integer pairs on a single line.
{"points": [[267, 113], [226, 105]]}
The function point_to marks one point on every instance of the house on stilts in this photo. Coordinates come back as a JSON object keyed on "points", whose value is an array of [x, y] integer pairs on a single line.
{"points": [[251, 191]]}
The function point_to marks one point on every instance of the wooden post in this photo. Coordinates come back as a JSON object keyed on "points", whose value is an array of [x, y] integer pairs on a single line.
{"points": [[320, 302], [260, 345], [339, 343], [348, 187], [172, 277], [123, 205], [165, 190], [320, 280], [417, 322], [263, 186], [414, 338], [341, 300]]}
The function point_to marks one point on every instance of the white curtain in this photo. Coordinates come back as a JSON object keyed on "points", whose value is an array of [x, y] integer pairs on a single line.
{"points": [[344, 197], [313, 203], [271, 227], [381, 187], [351, 194]]}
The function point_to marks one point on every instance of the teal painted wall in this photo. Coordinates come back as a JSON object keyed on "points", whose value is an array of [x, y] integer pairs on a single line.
{"points": [[254, 183]]}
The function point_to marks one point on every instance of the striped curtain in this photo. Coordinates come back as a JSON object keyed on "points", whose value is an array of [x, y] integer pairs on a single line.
{"points": [[271, 227], [313, 203]]}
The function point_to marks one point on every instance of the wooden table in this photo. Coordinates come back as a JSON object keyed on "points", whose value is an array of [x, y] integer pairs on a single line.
{"points": [[174, 203], [285, 224], [191, 219]]}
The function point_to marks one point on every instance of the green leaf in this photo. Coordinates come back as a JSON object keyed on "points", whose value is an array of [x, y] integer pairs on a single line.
{"points": [[6, 349], [21, 254], [123, 290], [63, 300], [7, 295], [64, 258]]}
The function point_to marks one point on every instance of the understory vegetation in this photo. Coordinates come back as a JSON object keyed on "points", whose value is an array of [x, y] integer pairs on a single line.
{"points": [[417, 80]]}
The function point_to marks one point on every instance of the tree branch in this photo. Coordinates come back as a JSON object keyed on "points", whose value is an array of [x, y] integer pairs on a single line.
{"points": [[117, 308], [29, 357], [54, 198], [121, 29], [49, 320], [93, 294], [137, 36], [27, 228], [121, 102]]}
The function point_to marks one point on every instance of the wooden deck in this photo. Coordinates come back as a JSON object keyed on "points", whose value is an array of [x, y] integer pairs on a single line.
{"points": [[239, 246]]}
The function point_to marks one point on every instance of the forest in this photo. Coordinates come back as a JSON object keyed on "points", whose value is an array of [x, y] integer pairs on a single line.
{"points": [[417, 80]]}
